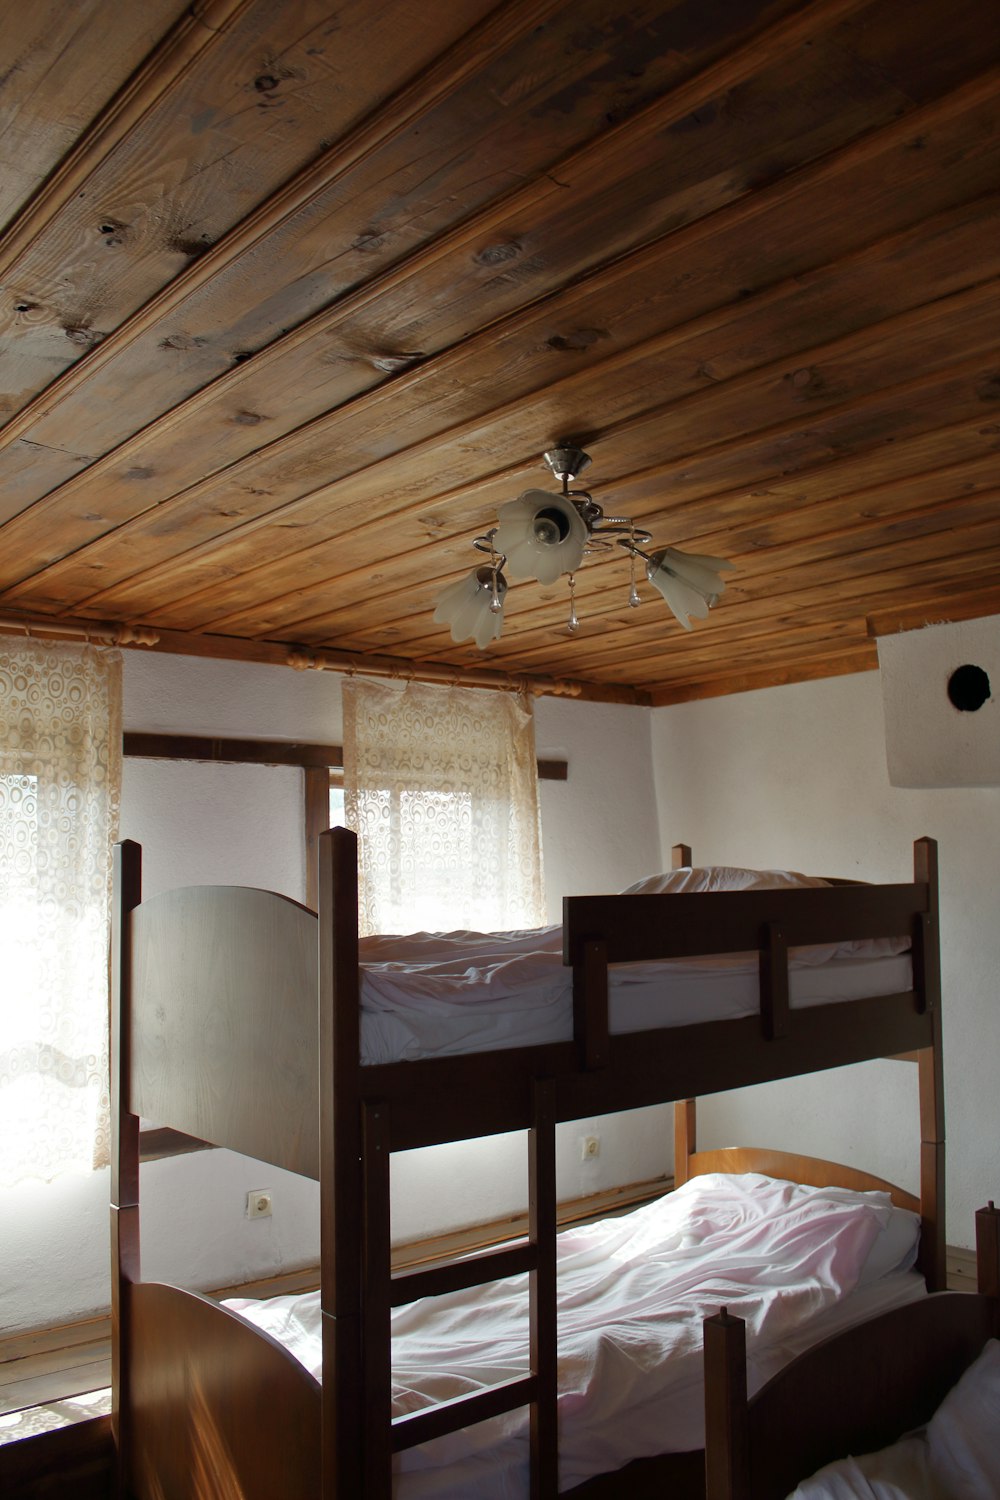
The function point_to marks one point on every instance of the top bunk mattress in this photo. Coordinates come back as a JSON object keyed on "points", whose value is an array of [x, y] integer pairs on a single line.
{"points": [[207, 957], [437, 994]]}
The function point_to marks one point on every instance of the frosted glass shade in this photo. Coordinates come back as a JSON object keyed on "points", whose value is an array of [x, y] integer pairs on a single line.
{"points": [[541, 536], [467, 606], [688, 581]]}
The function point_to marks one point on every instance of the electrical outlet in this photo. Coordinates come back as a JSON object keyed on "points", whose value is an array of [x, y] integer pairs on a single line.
{"points": [[259, 1204], [590, 1146]]}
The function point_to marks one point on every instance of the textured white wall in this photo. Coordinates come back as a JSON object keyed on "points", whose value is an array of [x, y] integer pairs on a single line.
{"points": [[796, 778], [243, 825], [930, 741]]}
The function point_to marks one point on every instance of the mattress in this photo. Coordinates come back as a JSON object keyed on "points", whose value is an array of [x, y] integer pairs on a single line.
{"points": [[436, 994], [797, 1263]]}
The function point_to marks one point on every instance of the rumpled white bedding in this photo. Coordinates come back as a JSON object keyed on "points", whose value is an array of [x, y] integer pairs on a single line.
{"points": [[956, 1457], [438, 993], [633, 1293]]}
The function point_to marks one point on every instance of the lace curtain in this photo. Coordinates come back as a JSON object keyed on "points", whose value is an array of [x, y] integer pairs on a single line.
{"points": [[441, 786], [60, 783]]}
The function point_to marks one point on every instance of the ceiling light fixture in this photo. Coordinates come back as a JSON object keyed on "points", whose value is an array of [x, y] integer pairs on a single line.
{"points": [[544, 536]]}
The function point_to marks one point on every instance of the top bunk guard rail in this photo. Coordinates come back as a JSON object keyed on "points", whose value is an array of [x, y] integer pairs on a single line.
{"points": [[602, 930]]}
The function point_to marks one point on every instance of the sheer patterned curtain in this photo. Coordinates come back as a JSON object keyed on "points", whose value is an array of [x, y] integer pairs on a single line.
{"points": [[441, 786], [60, 783]]}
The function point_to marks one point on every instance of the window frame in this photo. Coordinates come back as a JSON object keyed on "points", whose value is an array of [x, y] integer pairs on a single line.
{"points": [[319, 764]]}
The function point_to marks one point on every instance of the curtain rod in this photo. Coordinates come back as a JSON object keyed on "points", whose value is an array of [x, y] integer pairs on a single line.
{"points": [[101, 633], [303, 658]]}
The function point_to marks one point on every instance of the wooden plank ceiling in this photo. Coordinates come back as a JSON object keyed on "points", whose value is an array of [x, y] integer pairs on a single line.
{"points": [[293, 296]]}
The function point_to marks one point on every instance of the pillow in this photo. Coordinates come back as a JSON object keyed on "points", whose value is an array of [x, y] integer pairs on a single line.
{"points": [[895, 1246], [719, 878], [732, 878]]}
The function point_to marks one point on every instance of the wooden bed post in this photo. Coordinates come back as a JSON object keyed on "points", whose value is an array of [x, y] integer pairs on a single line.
{"points": [[927, 982], [127, 888], [988, 1258], [727, 1454], [542, 1292], [341, 1200], [376, 1303], [685, 1110], [685, 1138]]}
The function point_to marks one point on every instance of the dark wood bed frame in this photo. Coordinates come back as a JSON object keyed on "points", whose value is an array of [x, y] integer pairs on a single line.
{"points": [[216, 1032], [851, 1394]]}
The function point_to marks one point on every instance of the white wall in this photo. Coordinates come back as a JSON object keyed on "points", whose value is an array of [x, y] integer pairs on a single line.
{"points": [[207, 823], [796, 778], [931, 740]]}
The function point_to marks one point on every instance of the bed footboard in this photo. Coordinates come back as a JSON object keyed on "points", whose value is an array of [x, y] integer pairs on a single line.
{"points": [[218, 1408], [854, 1393]]}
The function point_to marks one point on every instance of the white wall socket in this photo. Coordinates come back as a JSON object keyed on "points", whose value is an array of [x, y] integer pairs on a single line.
{"points": [[590, 1146], [259, 1204]]}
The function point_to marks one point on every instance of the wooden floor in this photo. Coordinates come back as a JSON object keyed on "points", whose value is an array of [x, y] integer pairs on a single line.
{"points": [[45, 1375]]}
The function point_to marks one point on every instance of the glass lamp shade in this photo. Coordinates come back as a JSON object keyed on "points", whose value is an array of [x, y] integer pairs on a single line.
{"points": [[541, 536], [688, 581], [467, 606]]}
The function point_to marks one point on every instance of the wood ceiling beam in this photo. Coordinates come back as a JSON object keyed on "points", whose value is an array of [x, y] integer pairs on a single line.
{"points": [[629, 641], [936, 608], [411, 100], [882, 506], [305, 191], [868, 419], [824, 588], [845, 372], [611, 656], [740, 681], [79, 56], [953, 177], [197, 30], [159, 454]]}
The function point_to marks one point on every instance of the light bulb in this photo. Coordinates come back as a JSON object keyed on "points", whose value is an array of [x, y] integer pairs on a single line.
{"points": [[541, 535]]}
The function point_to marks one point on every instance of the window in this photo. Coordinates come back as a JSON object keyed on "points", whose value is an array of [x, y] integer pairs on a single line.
{"points": [[338, 818], [441, 785]]}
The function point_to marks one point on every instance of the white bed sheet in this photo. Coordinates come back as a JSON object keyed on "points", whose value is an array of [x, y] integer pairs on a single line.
{"points": [[436, 994], [795, 1262]]}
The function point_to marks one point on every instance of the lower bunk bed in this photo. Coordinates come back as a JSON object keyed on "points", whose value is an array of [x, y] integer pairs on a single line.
{"points": [[905, 1405], [216, 1034]]}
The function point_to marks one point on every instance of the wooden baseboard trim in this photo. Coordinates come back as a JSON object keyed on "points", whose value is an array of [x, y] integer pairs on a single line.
{"points": [[410, 1254]]}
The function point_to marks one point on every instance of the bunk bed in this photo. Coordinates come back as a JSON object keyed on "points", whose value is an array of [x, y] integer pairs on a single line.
{"points": [[909, 1400], [220, 1012]]}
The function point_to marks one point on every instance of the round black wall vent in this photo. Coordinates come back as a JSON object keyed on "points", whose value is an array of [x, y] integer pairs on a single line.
{"points": [[968, 688]]}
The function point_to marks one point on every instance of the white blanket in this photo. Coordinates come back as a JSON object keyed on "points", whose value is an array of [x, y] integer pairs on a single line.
{"points": [[633, 1292]]}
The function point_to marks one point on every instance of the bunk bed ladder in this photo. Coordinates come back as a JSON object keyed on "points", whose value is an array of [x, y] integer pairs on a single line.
{"points": [[537, 1256]]}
